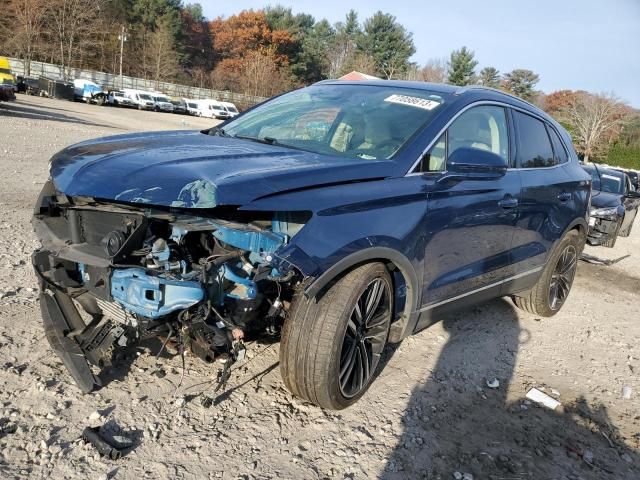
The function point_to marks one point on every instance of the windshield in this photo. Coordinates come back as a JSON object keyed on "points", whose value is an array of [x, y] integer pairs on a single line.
{"points": [[232, 109], [144, 96], [192, 105], [5, 70], [162, 99], [215, 107], [356, 121], [606, 180]]}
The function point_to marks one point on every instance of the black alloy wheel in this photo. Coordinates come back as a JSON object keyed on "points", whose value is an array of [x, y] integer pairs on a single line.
{"points": [[562, 277], [364, 338]]}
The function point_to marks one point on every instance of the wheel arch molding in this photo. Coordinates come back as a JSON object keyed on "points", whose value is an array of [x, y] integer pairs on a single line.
{"points": [[405, 323]]}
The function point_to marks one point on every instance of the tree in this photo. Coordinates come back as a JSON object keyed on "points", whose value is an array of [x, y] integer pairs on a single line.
{"points": [[312, 64], [260, 74], [343, 47], [163, 60], [28, 21], [595, 121], [71, 23], [246, 32], [434, 71], [462, 67], [489, 77], [521, 82], [387, 42], [557, 102]]}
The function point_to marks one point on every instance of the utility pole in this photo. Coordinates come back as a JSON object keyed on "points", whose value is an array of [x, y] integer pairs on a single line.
{"points": [[123, 38]]}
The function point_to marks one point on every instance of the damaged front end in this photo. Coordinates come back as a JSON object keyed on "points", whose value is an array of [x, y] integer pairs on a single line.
{"points": [[604, 224], [113, 274]]}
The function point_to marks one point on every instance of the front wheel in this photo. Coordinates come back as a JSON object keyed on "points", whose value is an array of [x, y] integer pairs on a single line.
{"points": [[331, 347], [553, 287]]}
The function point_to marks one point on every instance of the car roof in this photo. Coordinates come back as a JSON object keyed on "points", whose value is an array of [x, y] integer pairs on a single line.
{"points": [[472, 92]]}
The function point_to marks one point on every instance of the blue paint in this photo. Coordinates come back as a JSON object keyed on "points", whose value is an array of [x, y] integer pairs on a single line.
{"points": [[150, 296], [447, 237]]}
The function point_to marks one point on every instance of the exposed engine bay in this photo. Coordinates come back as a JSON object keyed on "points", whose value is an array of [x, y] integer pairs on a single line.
{"points": [[113, 274]]}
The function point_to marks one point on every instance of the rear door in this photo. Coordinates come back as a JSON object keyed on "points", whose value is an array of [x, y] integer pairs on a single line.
{"points": [[547, 200], [470, 223]]}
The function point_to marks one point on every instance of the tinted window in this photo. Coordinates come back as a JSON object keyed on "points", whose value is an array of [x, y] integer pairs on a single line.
{"points": [[534, 146], [561, 153], [483, 128]]}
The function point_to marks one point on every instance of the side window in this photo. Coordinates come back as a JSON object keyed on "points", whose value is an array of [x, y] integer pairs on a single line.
{"points": [[483, 127], [561, 153], [534, 146]]}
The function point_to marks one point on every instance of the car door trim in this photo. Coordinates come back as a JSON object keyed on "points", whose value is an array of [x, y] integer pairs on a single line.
{"points": [[477, 290], [411, 171]]}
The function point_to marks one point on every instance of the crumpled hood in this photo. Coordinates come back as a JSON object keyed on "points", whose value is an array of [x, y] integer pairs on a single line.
{"points": [[189, 169], [604, 199]]}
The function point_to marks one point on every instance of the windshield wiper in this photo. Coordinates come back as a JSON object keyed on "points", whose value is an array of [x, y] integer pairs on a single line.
{"points": [[218, 131], [267, 140]]}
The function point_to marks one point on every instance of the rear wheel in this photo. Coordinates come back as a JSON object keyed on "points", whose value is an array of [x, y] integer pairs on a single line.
{"points": [[553, 287], [331, 347]]}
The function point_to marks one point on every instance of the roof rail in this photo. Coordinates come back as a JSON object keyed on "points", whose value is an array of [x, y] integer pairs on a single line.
{"points": [[466, 88]]}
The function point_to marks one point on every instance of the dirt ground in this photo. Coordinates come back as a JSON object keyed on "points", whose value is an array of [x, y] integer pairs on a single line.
{"points": [[429, 414]]}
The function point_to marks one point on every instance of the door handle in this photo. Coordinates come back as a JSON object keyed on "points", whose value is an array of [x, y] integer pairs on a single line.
{"points": [[508, 202], [564, 197]]}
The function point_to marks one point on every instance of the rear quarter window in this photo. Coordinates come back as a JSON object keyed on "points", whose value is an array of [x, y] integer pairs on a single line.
{"points": [[558, 148], [534, 146]]}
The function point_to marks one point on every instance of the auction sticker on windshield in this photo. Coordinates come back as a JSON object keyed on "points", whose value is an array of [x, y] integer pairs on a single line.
{"points": [[418, 102]]}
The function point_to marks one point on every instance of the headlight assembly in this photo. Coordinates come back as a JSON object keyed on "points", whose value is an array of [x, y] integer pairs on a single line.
{"points": [[604, 212]]}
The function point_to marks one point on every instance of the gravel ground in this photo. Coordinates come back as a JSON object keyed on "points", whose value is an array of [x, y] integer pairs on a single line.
{"points": [[429, 414]]}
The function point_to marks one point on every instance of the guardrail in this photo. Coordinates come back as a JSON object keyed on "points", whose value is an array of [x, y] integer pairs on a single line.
{"points": [[112, 81]]}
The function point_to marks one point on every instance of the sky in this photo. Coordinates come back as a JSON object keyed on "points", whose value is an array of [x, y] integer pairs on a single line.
{"points": [[591, 45]]}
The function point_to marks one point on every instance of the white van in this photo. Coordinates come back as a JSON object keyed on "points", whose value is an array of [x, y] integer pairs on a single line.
{"points": [[143, 100], [212, 109], [193, 107], [230, 108], [162, 103]]}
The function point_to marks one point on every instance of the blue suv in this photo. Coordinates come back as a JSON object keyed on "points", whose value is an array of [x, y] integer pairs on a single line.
{"points": [[340, 217]]}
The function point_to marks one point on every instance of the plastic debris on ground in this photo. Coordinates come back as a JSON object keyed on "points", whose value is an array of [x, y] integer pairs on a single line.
{"points": [[542, 398]]}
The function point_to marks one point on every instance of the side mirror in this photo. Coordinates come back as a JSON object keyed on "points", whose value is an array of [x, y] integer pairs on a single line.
{"points": [[633, 194], [474, 164]]}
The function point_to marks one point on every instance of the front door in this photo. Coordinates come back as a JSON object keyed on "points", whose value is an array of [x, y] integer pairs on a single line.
{"points": [[470, 222]]}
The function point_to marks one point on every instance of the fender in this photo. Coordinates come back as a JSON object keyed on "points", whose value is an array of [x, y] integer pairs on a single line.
{"points": [[576, 222], [407, 322]]}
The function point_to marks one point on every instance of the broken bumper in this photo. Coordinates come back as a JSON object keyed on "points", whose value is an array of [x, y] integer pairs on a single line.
{"points": [[603, 225]]}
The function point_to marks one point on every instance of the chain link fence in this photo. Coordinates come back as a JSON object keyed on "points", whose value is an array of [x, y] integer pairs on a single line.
{"points": [[111, 81]]}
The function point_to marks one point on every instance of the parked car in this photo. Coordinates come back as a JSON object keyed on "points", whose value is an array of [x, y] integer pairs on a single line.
{"points": [[179, 106], [28, 85], [143, 100], [117, 98], [349, 214], [633, 176], [231, 109], [192, 107], [614, 205], [161, 103], [212, 109]]}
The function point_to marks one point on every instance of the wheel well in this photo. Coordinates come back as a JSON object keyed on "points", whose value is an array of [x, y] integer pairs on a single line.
{"points": [[405, 290]]}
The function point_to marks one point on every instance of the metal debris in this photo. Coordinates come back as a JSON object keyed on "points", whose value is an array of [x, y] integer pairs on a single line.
{"points": [[601, 261]]}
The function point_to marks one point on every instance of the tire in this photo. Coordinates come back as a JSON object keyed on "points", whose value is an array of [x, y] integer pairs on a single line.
{"points": [[139, 107], [319, 339], [539, 300], [627, 231]]}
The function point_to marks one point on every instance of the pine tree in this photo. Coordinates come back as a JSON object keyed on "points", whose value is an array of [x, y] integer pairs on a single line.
{"points": [[489, 77], [521, 82], [462, 67]]}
